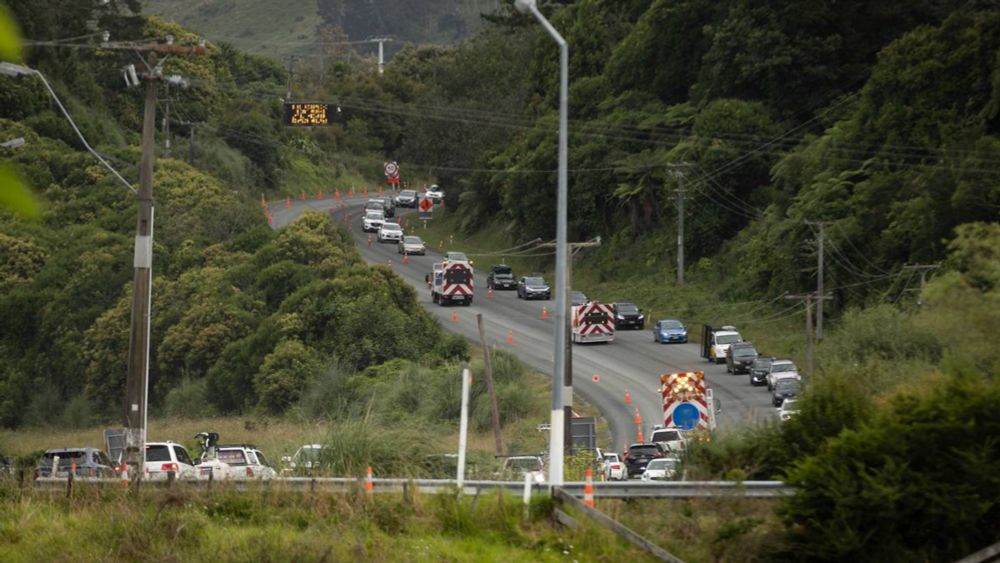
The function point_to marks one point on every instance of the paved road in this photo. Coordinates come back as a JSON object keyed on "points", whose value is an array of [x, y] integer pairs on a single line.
{"points": [[632, 362]]}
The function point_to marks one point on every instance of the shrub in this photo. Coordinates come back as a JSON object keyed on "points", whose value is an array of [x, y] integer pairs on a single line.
{"points": [[880, 332], [189, 399]]}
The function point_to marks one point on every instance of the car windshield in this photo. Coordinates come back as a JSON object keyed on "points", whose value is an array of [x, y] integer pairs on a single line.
{"points": [[671, 324], [762, 362], [524, 464], [579, 296], [407, 193], [413, 240], [610, 457], [261, 459], [502, 270], [744, 352], [158, 452], [782, 367], [374, 204], [457, 256], [627, 308], [666, 436], [66, 459], [391, 227], [534, 281], [662, 463], [727, 339], [374, 215], [644, 450]]}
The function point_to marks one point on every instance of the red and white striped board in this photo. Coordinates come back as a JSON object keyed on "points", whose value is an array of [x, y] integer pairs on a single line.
{"points": [[593, 322], [686, 388], [458, 280]]}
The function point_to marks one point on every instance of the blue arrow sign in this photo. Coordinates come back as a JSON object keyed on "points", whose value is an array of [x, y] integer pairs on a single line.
{"points": [[686, 416]]}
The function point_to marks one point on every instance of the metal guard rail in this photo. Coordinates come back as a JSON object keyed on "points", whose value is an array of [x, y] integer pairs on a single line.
{"points": [[604, 489]]}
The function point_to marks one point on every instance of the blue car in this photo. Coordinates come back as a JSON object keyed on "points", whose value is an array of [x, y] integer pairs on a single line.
{"points": [[670, 330]]}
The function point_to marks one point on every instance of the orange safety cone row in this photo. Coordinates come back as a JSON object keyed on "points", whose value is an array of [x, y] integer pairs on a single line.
{"points": [[628, 398], [369, 483], [588, 489], [545, 313], [454, 315], [510, 337], [638, 419]]}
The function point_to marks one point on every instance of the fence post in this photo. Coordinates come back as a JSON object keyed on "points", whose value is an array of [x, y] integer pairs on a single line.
{"points": [[69, 484], [170, 479], [527, 496]]}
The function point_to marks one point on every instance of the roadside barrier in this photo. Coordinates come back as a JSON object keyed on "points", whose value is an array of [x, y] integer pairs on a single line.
{"points": [[588, 489]]}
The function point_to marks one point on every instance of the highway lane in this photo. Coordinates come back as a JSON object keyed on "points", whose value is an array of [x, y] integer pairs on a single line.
{"points": [[633, 361]]}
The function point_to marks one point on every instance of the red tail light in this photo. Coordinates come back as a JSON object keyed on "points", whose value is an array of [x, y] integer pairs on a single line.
{"points": [[616, 466], [169, 467]]}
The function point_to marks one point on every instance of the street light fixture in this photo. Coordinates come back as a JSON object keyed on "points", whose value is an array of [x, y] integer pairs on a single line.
{"points": [[11, 69], [562, 391]]}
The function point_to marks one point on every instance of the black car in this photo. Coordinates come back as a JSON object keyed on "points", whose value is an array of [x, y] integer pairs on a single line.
{"points": [[501, 276], [533, 287], [785, 389], [758, 370], [741, 355], [627, 315], [407, 198], [578, 298], [638, 457], [388, 205]]}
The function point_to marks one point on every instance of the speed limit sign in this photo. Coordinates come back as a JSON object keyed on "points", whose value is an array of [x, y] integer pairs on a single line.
{"points": [[391, 169]]}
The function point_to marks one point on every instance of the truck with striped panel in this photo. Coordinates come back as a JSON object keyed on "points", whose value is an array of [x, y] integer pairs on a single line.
{"points": [[593, 322], [453, 282]]}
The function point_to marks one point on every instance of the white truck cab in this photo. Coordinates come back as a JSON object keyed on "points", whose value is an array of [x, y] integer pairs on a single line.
{"points": [[716, 342]]}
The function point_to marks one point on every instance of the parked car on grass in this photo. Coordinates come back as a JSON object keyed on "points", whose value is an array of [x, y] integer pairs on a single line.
{"points": [[164, 457], [88, 462]]}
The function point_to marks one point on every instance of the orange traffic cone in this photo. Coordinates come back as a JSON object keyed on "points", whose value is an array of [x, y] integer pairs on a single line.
{"points": [[510, 337], [454, 315], [369, 483], [288, 202], [303, 195], [489, 293], [638, 419], [588, 489], [545, 313], [319, 195], [336, 195], [639, 436], [628, 398], [369, 241], [406, 258], [270, 220]]}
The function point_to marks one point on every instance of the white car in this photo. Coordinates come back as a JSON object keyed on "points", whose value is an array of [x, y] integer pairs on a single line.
{"points": [[672, 439], [238, 463], [516, 467], [788, 409], [781, 369], [373, 221], [411, 245], [661, 468], [164, 457], [390, 232], [614, 468], [305, 458], [434, 193]]}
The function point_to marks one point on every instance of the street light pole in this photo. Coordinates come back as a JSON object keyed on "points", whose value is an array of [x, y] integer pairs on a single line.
{"points": [[562, 389]]}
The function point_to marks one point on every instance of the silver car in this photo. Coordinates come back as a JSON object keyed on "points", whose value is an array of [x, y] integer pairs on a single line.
{"points": [[411, 245], [390, 232]]}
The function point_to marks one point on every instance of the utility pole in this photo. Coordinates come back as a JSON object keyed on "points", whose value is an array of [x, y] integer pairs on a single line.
{"points": [[137, 380], [808, 298], [680, 228], [820, 253], [923, 270], [381, 52], [137, 375], [573, 248]]}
